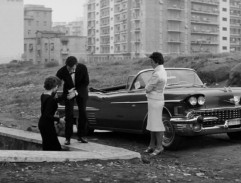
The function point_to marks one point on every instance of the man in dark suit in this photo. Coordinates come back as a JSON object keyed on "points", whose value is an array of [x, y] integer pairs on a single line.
{"points": [[76, 81]]}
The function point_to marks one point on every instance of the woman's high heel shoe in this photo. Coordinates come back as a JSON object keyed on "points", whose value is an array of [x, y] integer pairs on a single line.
{"points": [[156, 152], [149, 150]]}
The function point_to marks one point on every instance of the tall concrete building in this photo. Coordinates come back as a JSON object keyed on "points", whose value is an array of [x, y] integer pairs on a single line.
{"points": [[11, 31], [134, 28], [36, 18], [73, 28], [235, 25]]}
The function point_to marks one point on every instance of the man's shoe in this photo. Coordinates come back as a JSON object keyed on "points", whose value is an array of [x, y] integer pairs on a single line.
{"points": [[67, 142], [80, 139]]}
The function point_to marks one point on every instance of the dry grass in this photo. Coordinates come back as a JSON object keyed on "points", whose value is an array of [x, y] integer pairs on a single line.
{"points": [[22, 83]]}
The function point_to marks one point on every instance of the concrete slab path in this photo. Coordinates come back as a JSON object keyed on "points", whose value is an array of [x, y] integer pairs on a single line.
{"points": [[78, 151]]}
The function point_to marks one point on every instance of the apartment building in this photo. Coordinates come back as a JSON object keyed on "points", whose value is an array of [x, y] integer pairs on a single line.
{"points": [[44, 47], [73, 28], [52, 46], [134, 28], [43, 43], [36, 18], [11, 31], [129, 29], [235, 25], [205, 26]]}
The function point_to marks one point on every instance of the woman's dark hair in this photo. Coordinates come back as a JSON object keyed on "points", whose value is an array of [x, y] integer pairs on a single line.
{"points": [[157, 58], [71, 61], [51, 82]]}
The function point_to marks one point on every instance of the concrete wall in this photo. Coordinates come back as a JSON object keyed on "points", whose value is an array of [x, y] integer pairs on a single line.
{"points": [[10, 143]]}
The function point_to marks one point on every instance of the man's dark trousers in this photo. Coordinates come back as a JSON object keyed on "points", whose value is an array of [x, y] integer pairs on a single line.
{"points": [[69, 117]]}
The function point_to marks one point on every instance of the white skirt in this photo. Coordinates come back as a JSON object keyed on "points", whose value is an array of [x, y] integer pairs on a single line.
{"points": [[154, 119]]}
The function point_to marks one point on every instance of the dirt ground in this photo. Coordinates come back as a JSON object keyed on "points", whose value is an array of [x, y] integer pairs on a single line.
{"points": [[203, 159], [212, 158]]}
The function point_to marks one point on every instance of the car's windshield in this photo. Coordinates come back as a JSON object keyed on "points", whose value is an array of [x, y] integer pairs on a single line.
{"points": [[175, 77]]}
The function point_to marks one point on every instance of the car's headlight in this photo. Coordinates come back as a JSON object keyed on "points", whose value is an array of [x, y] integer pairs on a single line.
{"points": [[192, 101], [201, 100], [236, 99]]}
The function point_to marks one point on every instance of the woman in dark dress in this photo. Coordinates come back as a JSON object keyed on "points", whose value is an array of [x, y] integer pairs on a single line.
{"points": [[49, 106]]}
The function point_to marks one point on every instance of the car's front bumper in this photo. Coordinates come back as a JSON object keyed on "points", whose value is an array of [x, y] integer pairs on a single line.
{"points": [[195, 126]]}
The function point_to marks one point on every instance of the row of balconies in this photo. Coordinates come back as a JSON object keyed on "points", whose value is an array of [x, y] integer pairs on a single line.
{"points": [[174, 30], [235, 43], [209, 2], [236, 4], [235, 34], [204, 22], [205, 42], [238, 15], [175, 7], [175, 41], [204, 10], [199, 30], [175, 19]]}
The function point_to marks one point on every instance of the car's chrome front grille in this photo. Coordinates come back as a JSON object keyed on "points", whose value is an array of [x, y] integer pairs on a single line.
{"points": [[221, 114], [91, 117]]}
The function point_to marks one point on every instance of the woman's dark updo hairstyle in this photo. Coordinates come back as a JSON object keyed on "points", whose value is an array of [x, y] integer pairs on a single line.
{"points": [[51, 82], [157, 58]]}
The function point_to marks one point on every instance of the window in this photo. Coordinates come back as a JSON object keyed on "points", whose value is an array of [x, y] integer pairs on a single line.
{"points": [[46, 46], [38, 41], [39, 53], [224, 19], [225, 9], [52, 46], [30, 47], [224, 47], [224, 28], [225, 38]]}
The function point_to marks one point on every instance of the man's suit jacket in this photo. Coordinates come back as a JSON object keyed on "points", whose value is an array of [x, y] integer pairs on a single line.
{"points": [[81, 80]]}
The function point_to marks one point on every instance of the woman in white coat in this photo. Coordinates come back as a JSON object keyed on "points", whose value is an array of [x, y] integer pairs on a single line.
{"points": [[155, 97]]}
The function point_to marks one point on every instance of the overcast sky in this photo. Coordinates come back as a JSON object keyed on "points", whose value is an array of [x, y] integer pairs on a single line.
{"points": [[63, 10]]}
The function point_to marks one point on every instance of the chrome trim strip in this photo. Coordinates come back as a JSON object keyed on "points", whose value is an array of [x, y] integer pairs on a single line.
{"points": [[184, 121], [220, 108], [172, 100], [92, 109], [142, 102], [205, 119], [61, 107]]}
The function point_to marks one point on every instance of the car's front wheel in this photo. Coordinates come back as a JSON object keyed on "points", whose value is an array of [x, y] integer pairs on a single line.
{"points": [[171, 141], [234, 135]]}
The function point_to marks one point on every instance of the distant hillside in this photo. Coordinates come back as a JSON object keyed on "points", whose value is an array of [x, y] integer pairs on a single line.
{"points": [[212, 68]]}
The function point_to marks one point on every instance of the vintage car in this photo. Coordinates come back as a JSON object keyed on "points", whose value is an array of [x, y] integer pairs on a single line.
{"points": [[190, 108]]}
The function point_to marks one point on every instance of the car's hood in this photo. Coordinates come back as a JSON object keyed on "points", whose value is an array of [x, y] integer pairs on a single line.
{"points": [[215, 97]]}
